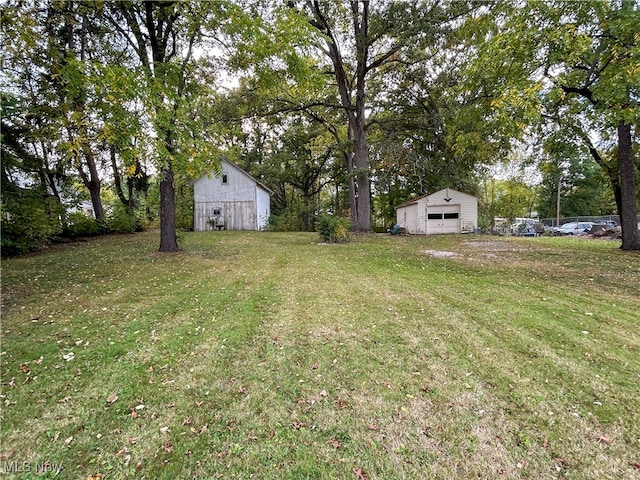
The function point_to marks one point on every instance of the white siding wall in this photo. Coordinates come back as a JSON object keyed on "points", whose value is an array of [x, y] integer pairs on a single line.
{"points": [[263, 205], [239, 186], [407, 218]]}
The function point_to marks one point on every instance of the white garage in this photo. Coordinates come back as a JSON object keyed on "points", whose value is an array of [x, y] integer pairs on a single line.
{"points": [[445, 211]]}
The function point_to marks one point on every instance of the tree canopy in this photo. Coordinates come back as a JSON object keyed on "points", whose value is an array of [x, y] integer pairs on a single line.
{"points": [[348, 108]]}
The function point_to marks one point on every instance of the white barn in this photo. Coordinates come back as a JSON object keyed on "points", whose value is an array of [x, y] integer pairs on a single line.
{"points": [[230, 200], [445, 211]]}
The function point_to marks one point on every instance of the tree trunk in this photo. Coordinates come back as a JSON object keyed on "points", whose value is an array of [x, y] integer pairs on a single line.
{"points": [[96, 201], [117, 180], [353, 204], [629, 209], [91, 181], [168, 238], [363, 183]]}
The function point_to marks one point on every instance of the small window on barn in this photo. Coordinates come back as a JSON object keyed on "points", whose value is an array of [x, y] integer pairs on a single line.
{"points": [[217, 211], [225, 179], [434, 216], [451, 215]]}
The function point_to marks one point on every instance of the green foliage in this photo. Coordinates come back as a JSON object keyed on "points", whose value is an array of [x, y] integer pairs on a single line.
{"points": [[122, 221], [28, 222], [288, 220], [333, 229], [81, 225], [184, 206]]}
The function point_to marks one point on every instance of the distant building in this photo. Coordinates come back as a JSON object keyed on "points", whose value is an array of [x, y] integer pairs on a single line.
{"points": [[445, 211], [230, 200]]}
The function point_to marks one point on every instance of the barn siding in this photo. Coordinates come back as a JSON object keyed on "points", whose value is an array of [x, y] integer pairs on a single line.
{"points": [[263, 209]]}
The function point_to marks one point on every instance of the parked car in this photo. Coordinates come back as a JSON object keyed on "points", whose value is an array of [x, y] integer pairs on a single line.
{"points": [[608, 223], [574, 228]]}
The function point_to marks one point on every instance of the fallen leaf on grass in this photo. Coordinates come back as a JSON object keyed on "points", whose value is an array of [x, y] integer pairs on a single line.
{"points": [[334, 443], [8, 455], [636, 466], [68, 441], [360, 474], [604, 439], [112, 398]]}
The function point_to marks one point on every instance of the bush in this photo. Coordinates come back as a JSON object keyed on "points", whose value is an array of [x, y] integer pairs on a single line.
{"points": [[26, 225], [122, 221], [80, 225], [287, 221], [333, 229]]}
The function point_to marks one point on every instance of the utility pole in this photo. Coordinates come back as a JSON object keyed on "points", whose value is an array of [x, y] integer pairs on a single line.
{"points": [[558, 203]]}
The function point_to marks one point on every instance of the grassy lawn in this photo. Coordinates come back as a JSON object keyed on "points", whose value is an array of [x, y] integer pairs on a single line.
{"points": [[269, 356]]}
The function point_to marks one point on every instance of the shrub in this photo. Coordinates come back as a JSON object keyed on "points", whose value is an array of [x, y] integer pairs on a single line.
{"points": [[333, 229], [287, 221], [122, 221], [26, 225], [80, 225]]}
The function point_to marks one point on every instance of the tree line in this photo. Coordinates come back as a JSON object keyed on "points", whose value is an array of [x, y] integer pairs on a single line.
{"points": [[343, 107]]}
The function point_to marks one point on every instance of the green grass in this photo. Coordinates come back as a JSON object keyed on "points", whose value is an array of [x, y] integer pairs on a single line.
{"points": [[269, 355]]}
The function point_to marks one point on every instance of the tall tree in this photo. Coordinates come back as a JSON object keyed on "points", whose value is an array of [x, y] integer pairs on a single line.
{"points": [[163, 37], [362, 43], [50, 64], [576, 63]]}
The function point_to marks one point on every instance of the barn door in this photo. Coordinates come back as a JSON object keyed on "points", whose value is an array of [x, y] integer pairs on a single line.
{"points": [[206, 214]]}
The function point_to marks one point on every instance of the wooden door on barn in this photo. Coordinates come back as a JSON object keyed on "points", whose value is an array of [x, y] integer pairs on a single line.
{"points": [[208, 216], [240, 215], [443, 219]]}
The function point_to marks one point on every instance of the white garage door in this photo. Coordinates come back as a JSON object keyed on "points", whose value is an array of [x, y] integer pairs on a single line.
{"points": [[443, 219]]}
